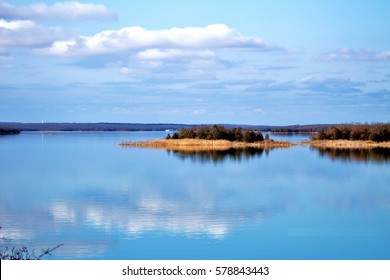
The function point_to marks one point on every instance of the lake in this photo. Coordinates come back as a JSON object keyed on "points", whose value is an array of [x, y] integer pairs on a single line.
{"points": [[107, 202]]}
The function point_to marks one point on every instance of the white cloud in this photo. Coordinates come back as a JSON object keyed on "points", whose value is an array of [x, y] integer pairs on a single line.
{"points": [[126, 70], [61, 11], [347, 54], [16, 24], [157, 54], [26, 33], [216, 36]]}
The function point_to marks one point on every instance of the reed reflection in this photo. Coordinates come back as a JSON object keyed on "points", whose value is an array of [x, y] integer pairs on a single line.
{"points": [[219, 156], [376, 155]]}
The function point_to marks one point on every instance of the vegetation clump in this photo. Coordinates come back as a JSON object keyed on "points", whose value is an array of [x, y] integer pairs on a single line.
{"points": [[218, 132], [378, 132], [23, 253], [9, 131]]}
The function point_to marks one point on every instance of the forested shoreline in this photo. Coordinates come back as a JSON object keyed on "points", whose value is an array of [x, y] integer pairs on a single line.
{"points": [[378, 132], [9, 131]]}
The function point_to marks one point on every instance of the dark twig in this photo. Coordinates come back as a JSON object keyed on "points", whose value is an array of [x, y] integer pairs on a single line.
{"points": [[48, 251]]}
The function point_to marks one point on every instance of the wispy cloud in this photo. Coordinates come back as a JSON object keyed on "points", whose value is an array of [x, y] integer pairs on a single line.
{"points": [[136, 38], [59, 11], [347, 54], [312, 83]]}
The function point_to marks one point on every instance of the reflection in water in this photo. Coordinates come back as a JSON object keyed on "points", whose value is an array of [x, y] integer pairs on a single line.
{"points": [[378, 155], [217, 156], [134, 215], [104, 203], [153, 214]]}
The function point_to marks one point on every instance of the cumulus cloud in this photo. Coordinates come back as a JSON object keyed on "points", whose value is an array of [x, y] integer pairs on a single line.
{"points": [[347, 54], [26, 33], [216, 36], [61, 11]]}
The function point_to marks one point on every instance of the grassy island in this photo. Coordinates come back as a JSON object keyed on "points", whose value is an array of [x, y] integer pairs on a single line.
{"points": [[346, 144], [221, 145], [216, 137], [206, 145]]}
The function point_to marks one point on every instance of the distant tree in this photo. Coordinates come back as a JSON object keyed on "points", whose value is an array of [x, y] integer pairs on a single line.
{"points": [[333, 133], [175, 135], [251, 136], [345, 132], [235, 134], [321, 135], [360, 132], [380, 132], [217, 132], [259, 136]]}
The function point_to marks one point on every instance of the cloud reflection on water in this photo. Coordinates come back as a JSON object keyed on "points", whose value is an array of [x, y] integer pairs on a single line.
{"points": [[213, 205]]}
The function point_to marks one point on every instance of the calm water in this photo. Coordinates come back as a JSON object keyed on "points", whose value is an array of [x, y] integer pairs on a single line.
{"points": [[107, 202]]}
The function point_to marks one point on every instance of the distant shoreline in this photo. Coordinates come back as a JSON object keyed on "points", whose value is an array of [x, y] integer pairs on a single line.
{"points": [[204, 145], [9, 131], [107, 126]]}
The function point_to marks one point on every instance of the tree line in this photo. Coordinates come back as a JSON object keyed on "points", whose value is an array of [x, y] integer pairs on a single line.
{"points": [[7, 131], [378, 132], [218, 132]]}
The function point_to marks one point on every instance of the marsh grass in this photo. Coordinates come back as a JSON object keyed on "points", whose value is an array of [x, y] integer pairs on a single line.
{"points": [[346, 144], [205, 145], [223, 145]]}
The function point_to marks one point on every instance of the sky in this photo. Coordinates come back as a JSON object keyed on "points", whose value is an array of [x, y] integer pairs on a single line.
{"points": [[168, 61]]}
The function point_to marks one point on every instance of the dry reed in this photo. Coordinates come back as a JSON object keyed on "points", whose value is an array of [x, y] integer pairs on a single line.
{"points": [[346, 144], [222, 145], [205, 145]]}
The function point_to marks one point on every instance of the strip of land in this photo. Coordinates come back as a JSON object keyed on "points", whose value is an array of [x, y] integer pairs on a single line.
{"points": [[346, 144], [221, 145], [205, 145]]}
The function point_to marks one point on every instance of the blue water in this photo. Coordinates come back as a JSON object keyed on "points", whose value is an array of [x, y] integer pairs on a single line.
{"points": [[107, 202]]}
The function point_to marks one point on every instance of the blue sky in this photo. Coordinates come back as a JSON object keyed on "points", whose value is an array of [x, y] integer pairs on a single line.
{"points": [[243, 62]]}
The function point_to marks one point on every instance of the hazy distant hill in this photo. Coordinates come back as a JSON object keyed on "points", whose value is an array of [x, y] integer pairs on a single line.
{"points": [[146, 127]]}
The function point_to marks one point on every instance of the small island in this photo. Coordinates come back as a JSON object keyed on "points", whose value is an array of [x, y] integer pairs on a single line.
{"points": [[206, 145], [217, 137]]}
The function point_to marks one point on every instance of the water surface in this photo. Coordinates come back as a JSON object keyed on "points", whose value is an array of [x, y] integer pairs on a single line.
{"points": [[107, 202]]}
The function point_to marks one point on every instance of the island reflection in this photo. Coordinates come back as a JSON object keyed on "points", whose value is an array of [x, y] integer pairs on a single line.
{"points": [[219, 156], [376, 155]]}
